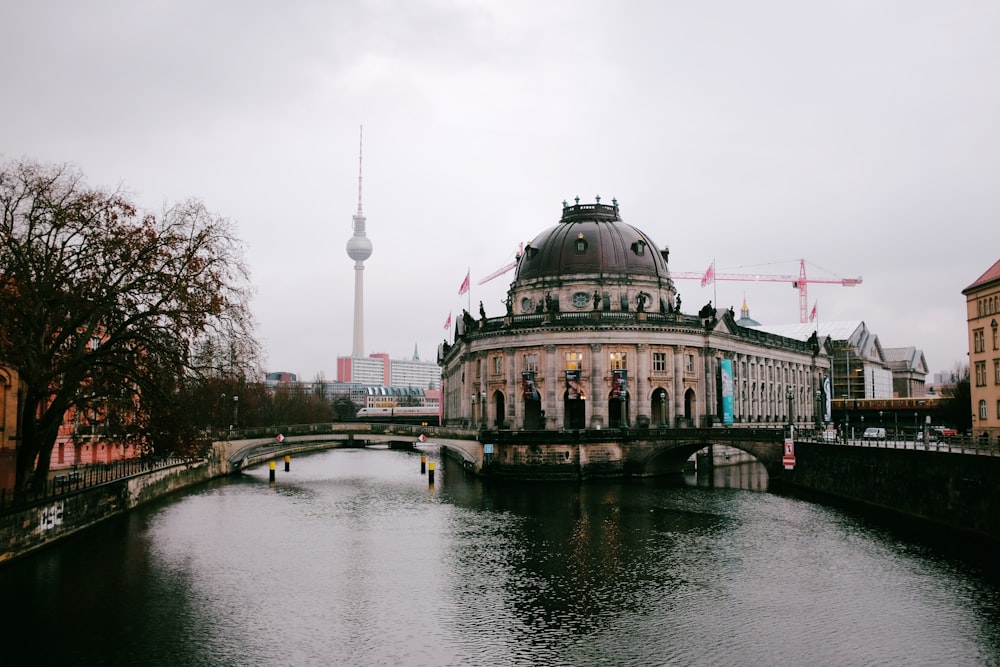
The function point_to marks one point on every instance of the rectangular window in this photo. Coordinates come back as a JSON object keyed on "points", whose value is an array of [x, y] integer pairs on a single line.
{"points": [[531, 362], [618, 361], [996, 338], [980, 373], [996, 371], [659, 362], [574, 361], [978, 340], [689, 363]]}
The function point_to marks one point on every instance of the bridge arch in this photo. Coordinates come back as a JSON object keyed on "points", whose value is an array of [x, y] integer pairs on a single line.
{"points": [[667, 458]]}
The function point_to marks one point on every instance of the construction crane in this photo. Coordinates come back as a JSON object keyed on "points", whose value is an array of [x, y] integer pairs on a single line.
{"points": [[503, 269], [801, 282]]}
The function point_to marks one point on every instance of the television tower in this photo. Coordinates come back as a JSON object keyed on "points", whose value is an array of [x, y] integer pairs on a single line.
{"points": [[359, 248]]}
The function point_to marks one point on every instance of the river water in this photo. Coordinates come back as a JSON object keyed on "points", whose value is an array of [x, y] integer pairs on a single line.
{"points": [[353, 558]]}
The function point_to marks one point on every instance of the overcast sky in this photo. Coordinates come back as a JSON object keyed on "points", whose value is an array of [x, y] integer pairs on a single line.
{"points": [[863, 137]]}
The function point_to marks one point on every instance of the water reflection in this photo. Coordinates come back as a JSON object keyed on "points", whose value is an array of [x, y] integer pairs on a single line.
{"points": [[353, 558]]}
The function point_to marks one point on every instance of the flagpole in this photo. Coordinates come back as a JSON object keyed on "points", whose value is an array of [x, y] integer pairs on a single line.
{"points": [[468, 275], [715, 287]]}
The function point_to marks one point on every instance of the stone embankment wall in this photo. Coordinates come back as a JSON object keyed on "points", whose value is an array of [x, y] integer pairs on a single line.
{"points": [[27, 530], [956, 490]]}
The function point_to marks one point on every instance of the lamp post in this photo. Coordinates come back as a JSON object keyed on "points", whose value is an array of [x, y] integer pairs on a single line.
{"points": [[789, 394], [482, 408], [663, 407], [915, 429], [236, 411], [819, 409]]}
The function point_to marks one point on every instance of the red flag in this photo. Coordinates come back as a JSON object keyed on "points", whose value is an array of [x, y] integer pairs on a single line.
{"points": [[812, 315], [709, 275], [464, 286], [447, 323]]}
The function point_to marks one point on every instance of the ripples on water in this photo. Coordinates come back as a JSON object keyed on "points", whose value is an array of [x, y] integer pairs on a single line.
{"points": [[351, 558]]}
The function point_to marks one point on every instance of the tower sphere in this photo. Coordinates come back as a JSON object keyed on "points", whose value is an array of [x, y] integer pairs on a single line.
{"points": [[359, 248]]}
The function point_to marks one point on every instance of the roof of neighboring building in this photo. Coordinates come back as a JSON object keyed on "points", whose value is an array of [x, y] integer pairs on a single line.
{"points": [[907, 357], [854, 332], [992, 274]]}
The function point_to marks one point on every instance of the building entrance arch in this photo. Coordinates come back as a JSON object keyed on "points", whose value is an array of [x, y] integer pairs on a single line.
{"points": [[575, 411], [658, 402], [689, 405], [618, 410], [499, 409]]}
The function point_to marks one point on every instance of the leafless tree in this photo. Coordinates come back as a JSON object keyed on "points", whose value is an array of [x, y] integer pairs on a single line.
{"points": [[107, 311]]}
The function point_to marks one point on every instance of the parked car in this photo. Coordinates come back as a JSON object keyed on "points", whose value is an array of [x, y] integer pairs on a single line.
{"points": [[874, 433]]}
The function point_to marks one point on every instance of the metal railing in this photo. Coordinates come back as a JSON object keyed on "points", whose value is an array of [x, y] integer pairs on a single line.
{"points": [[62, 483], [951, 444]]}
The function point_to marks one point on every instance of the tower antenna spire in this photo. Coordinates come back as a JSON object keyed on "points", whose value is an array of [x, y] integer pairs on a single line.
{"points": [[361, 143]]}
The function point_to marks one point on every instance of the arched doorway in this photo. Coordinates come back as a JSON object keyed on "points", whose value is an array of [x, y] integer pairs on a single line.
{"points": [[689, 405], [658, 402], [499, 409], [575, 410], [618, 410]]}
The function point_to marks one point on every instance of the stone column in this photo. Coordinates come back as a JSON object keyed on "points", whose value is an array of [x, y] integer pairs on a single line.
{"points": [[710, 368], [513, 389], [678, 390], [598, 399], [552, 404], [641, 400]]}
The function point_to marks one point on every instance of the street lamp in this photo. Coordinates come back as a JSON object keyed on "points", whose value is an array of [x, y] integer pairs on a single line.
{"points": [[819, 409], [663, 407], [236, 411], [789, 394]]}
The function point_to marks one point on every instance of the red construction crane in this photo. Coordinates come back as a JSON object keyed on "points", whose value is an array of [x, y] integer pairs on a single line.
{"points": [[799, 281], [503, 269]]}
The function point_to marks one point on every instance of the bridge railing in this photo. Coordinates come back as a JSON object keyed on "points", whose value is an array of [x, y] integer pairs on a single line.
{"points": [[70, 481], [952, 444]]}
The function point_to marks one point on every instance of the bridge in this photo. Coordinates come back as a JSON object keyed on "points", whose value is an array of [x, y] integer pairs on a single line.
{"points": [[565, 454]]}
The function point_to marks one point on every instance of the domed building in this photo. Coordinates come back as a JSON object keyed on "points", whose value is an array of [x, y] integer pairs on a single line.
{"points": [[595, 337]]}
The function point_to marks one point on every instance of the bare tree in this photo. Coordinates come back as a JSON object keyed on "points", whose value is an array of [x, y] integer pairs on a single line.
{"points": [[106, 311]]}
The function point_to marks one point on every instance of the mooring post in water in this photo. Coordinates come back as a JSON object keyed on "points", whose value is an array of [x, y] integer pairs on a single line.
{"points": [[430, 473], [272, 470], [288, 462], [423, 464]]}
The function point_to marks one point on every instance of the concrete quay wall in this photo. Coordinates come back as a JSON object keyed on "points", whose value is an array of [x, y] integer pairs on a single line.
{"points": [[26, 530], [957, 491]]}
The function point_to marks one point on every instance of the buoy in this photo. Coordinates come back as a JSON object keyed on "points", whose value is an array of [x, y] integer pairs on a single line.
{"points": [[430, 473], [288, 462], [423, 464], [272, 470]]}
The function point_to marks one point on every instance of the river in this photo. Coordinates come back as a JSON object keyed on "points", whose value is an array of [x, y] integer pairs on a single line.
{"points": [[353, 558]]}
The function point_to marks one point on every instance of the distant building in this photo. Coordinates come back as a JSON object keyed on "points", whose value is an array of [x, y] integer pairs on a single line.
{"points": [[860, 368], [909, 371], [982, 300], [745, 319], [379, 369]]}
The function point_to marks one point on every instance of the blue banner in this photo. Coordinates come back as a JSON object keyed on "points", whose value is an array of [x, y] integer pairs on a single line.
{"points": [[726, 384]]}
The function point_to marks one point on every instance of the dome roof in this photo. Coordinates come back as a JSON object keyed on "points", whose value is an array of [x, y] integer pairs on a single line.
{"points": [[591, 239]]}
